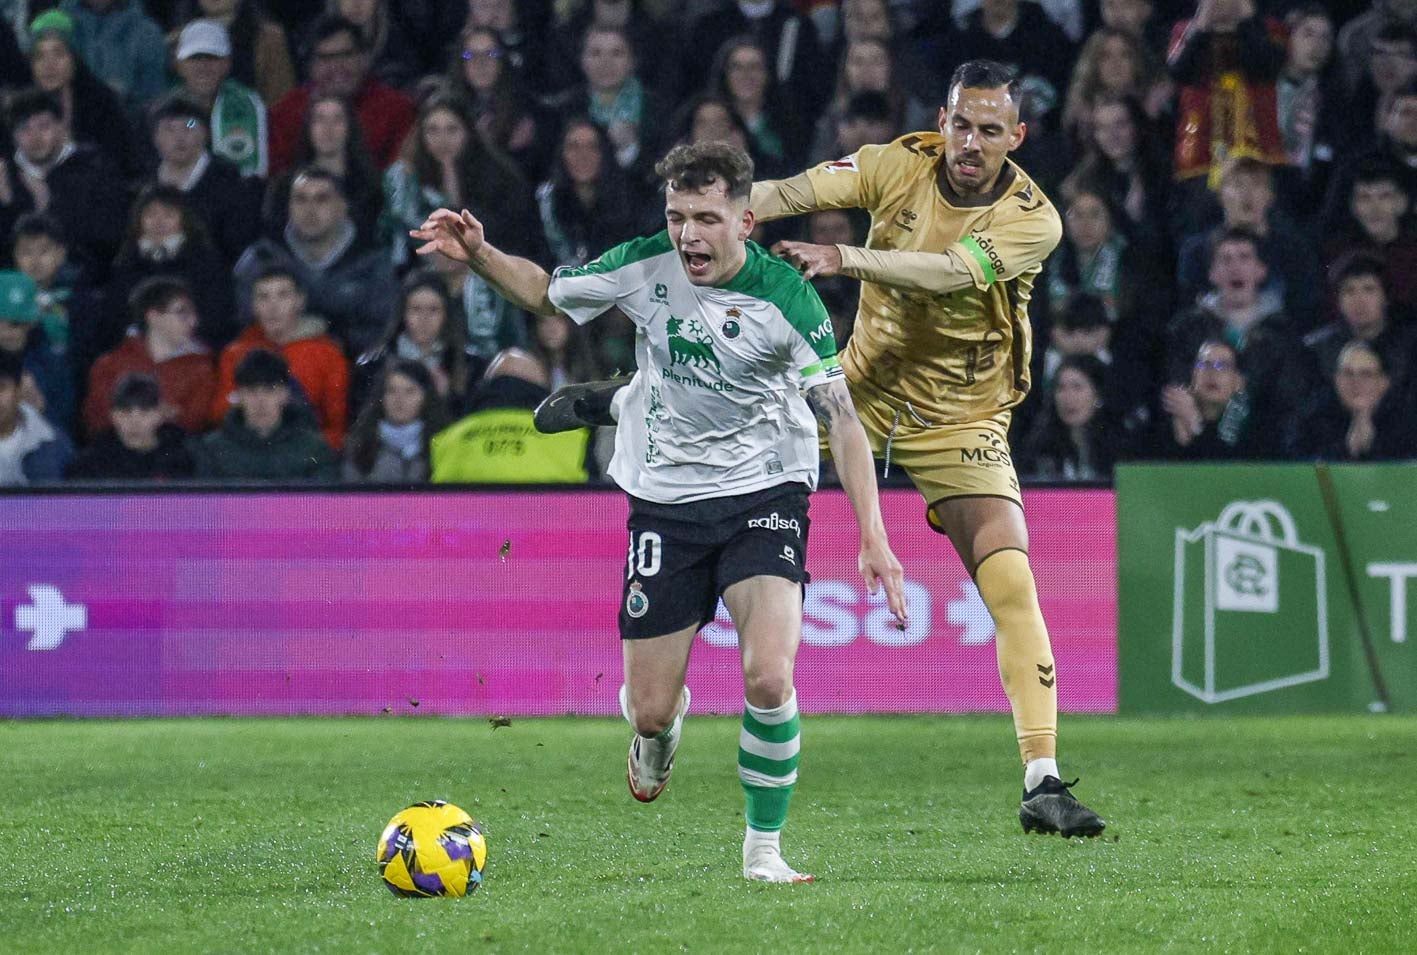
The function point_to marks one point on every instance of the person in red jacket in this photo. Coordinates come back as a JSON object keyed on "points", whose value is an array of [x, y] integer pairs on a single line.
{"points": [[339, 66], [167, 347], [317, 364]]}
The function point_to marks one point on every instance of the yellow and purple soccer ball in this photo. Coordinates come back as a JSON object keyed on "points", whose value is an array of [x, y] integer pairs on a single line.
{"points": [[432, 849]]}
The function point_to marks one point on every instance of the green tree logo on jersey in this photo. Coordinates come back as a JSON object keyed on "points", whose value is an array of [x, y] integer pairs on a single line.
{"points": [[694, 349]]}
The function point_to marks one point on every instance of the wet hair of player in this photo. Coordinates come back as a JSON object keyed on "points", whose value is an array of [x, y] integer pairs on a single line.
{"points": [[986, 75], [701, 165]]}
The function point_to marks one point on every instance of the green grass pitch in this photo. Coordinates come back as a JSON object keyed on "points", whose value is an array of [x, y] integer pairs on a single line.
{"points": [[1258, 835]]}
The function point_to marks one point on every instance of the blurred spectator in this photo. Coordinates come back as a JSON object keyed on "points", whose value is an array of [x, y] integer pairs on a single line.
{"points": [[1122, 156], [588, 203], [91, 112], [165, 346], [122, 46], [564, 350], [72, 182], [1209, 419], [866, 119], [498, 444], [613, 96], [1226, 60], [48, 382], [491, 322], [1390, 69], [1096, 258], [1066, 14], [260, 54], [1239, 311], [70, 308], [1355, 40], [1363, 417], [349, 283], [793, 52], [1247, 201], [390, 438], [331, 139], [32, 451], [1308, 99], [393, 56], [426, 329], [1377, 222], [742, 75], [140, 445], [266, 436], [1114, 64], [339, 66], [1137, 18], [228, 204], [166, 238], [710, 118], [236, 113], [282, 326], [480, 74], [1364, 315], [1397, 145], [1076, 437], [1020, 33], [450, 164], [521, 31], [867, 66], [646, 35]]}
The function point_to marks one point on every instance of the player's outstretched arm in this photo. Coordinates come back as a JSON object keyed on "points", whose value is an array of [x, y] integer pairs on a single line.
{"points": [[938, 272], [831, 403], [780, 198], [460, 237]]}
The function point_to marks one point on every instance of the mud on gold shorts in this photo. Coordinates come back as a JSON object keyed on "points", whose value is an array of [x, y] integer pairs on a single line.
{"points": [[944, 460]]}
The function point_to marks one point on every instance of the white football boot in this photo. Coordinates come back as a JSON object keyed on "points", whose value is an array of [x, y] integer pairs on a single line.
{"points": [[651, 761]]}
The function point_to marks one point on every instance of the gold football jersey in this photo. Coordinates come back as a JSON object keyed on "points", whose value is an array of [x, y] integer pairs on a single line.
{"points": [[956, 356]]}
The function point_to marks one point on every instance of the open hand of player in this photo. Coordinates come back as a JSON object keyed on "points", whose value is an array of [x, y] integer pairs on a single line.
{"points": [[811, 260], [879, 567], [458, 236]]}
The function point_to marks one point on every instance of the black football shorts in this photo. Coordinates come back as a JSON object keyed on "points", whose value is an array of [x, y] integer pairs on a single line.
{"points": [[684, 556]]}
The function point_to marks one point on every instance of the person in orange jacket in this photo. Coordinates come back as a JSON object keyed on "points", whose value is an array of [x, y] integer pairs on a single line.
{"points": [[317, 364]]}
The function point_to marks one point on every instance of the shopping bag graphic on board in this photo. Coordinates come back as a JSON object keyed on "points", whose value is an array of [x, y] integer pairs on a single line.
{"points": [[1251, 613]]}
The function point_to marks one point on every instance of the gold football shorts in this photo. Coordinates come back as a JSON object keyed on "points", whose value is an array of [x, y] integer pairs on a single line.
{"points": [[942, 460]]}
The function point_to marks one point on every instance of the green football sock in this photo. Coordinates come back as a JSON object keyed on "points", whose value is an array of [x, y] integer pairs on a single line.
{"points": [[768, 749]]}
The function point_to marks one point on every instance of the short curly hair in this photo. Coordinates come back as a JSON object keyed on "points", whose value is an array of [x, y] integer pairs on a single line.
{"points": [[701, 165]]}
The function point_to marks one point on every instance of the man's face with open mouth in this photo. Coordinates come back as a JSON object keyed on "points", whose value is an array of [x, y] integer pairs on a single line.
{"points": [[708, 229]]}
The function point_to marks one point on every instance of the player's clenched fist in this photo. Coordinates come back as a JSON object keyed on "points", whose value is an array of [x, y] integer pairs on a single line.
{"points": [[811, 260], [458, 236]]}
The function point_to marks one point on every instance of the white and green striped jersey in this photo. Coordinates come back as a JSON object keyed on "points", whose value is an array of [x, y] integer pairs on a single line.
{"points": [[716, 406]]}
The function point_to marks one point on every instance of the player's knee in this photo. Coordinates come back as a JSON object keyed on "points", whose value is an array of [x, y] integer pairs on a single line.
{"points": [[652, 717], [769, 687]]}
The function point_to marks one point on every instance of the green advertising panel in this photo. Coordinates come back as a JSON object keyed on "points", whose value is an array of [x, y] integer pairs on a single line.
{"points": [[1377, 514], [1232, 594]]}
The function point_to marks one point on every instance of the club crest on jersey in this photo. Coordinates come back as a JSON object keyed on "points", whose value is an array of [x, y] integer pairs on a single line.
{"points": [[636, 603], [731, 328], [690, 345]]}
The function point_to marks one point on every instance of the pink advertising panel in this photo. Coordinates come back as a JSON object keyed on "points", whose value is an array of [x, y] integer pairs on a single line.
{"points": [[482, 603]]}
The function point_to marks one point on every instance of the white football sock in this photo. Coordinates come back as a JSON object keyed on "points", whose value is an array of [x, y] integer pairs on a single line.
{"points": [[754, 838], [1036, 770]]}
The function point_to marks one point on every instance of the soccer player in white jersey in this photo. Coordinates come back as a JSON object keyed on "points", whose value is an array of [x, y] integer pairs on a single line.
{"points": [[716, 444]]}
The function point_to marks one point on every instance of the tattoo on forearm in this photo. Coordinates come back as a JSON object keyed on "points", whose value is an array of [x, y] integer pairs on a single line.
{"points": [[831, 403]]}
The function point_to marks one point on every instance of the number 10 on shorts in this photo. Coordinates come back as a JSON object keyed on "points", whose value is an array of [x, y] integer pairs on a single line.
{"points": [[644, 554]]}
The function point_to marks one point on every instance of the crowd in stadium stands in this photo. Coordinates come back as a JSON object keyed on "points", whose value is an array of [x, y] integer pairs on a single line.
{"points": [[205, 205]]}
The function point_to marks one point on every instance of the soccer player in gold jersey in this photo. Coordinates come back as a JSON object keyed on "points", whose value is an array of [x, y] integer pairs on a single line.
{"points": [[939, 357]]}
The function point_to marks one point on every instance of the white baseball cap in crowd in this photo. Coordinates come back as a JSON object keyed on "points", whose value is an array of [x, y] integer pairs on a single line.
{"points": [[203, 37]]}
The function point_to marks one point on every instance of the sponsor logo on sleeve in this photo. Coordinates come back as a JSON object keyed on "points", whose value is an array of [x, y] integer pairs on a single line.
{"points": [[842, 165]]}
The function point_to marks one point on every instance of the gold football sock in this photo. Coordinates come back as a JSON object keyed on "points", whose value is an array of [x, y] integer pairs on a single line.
{"points": [[1025, 656]]}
